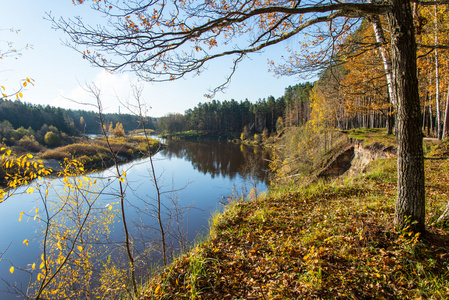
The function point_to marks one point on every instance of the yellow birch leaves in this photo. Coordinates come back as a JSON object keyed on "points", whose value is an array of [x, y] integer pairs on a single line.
{"points": [[17, 94]]}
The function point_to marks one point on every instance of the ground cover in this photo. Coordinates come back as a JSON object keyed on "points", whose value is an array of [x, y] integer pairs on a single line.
{"points": [[329, 240], [371, 136]]}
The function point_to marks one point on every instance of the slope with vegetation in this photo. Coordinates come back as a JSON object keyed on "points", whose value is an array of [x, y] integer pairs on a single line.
{"points": [[330, 239]]}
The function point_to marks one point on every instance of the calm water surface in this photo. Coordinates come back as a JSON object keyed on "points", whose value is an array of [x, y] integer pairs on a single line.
{"points": [[197, 176]]}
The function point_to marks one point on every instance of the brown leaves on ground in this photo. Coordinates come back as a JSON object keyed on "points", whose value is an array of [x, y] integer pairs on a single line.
{"points": [[329, 241]]}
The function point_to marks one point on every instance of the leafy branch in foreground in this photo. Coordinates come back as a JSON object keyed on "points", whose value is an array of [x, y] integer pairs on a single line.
{"points": [[8, 50], [75, 229], [18, 171]]}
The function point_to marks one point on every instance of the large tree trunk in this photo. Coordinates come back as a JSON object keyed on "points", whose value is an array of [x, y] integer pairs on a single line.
{"points": [[410, 202]]}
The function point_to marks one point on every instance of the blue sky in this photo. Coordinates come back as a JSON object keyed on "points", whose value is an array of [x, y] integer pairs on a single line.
{"points": [[60, 73]]}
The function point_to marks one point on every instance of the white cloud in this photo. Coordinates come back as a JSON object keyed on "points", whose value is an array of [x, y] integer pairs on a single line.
{"points": [[116, 91], [113, 89]]}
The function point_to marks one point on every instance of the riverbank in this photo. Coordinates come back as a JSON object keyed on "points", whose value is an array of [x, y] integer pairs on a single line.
{"points": [[331, 239], [93, 153], [96, 153], [201, 135], [255, 141]]}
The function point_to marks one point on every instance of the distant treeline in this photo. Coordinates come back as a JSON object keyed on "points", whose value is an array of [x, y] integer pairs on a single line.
{"points": [[26, 115], [228, 116], [71, 122], [233, 116], [89, 122]]}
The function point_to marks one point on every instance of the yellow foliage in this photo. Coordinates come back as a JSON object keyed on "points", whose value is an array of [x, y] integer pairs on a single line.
{"points": [[70, 224]]}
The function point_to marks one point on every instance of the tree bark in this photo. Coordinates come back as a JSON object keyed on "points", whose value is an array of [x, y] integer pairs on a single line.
{"points": [[380, 38], [437, 77], [410, 202], [430, 118], [390, 121], [446, 116]]}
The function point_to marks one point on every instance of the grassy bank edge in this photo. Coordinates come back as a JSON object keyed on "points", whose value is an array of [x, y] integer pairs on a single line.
{"points": [[328, 240], [93, 153]]}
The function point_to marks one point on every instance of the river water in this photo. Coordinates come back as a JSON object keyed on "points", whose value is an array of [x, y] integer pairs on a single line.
{"points": [[196, 178]]}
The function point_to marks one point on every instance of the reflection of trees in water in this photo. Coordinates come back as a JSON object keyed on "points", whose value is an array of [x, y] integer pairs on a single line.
{"points": [[219, 158]]}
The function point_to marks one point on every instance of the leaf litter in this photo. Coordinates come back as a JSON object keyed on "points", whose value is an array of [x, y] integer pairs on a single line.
{"points": [[326, 241]]}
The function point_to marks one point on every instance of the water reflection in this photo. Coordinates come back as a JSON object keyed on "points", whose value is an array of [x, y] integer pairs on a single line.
{"points": [[196, 175], [221, 158]]}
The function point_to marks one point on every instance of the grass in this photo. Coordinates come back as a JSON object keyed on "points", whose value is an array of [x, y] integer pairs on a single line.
{"points": [[73, 150], [142, 132], [93, 154], [330, 240], [372, 136], [96, 152]]}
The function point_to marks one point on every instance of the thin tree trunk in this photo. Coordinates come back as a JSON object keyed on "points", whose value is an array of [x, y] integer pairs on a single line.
{"points": [[380, 39], [389, 121], [437, 78], [446, 116], [424, 117], [121, 195], [426, 121], [430, 118], [410, 203], [429, 98], [445, 215]]}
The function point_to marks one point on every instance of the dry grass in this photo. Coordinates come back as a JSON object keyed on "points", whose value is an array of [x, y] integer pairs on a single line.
{"points": [[73, 151]]}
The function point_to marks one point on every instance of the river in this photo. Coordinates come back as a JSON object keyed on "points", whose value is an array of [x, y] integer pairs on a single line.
{"points": [[196, 178]]}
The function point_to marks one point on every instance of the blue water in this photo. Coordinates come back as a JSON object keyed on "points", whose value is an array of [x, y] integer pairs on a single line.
{"points": [[200, 175]]}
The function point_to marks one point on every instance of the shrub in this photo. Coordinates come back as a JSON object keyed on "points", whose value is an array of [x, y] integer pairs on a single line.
{"points": [[265, 134], [29, 144], [119, 131], [52, 139], [86, 160], [279, 125], [245, 134]]}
